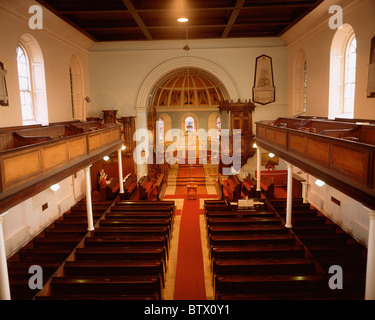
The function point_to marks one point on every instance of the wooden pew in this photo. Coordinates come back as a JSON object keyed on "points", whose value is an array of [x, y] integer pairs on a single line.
{"points": [[250, 245], [129, 253], [160, 186], [101, 286], [130, 185], [51, 247], [146, 188]]}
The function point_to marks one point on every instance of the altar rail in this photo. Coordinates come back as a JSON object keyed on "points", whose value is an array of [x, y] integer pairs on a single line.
{"points": [[340, 153], [49, 152]]}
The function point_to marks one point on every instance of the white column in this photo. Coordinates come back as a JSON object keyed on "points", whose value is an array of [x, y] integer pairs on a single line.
{"points": [[370, 272], [90, 222], [141, 123], [4, 277], [304, 191], [258, 169], [289, 198], [120, 176]]}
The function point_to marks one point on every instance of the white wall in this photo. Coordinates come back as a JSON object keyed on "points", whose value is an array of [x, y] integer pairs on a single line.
{"points": [[350, 215], [314, 36], [24, 221], [58, 42], [118, 70]]}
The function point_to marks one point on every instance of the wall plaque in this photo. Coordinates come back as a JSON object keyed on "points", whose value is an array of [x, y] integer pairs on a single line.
{"points": [[263, 90]]}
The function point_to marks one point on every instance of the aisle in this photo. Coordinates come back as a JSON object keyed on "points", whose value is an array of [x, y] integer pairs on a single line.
{"points": [[190, 278]]}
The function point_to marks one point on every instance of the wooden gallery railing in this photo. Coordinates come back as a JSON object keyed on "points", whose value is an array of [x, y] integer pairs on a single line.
{"points": [[340, 153], [33, 159]]}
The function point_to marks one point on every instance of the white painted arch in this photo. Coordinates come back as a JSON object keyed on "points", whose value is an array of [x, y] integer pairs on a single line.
{"points": [[194, 62]]}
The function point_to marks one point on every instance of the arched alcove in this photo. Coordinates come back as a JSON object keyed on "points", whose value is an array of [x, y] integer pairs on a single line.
{"points": [[77, 88], [148, 88]]}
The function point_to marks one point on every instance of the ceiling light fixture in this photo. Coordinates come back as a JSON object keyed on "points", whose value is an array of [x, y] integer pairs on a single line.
{"points": [[55, 187], [320, 183], [106, 158], [183, 19]]}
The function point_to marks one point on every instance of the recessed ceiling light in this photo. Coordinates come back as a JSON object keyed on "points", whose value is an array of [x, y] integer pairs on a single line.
{"points": [[182, 20]]}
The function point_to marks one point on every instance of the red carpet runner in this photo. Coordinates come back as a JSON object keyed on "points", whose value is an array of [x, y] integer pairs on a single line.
{"points": [[189, 282]]}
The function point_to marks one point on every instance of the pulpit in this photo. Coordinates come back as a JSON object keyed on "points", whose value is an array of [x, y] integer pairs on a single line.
{"points": [[109, 116]]}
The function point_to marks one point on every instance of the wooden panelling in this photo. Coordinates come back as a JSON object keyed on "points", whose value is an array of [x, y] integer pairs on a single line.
{"points": [[6, 141], [94, 142], [319, 151], [115, 134], [21, 167], [270, 135], [281, 138], [77, 148], [297, 143], [54, 156], [348, 166], [106, 137], [350, 162], [261, 131]]}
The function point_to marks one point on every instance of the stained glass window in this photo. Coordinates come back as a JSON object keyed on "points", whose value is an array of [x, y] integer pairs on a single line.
{"points": [[161, 128], [218, 127], [189, 124]]}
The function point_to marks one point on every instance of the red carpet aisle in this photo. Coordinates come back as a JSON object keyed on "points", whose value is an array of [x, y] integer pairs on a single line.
{"points": [[190, 277], [189, 283]]}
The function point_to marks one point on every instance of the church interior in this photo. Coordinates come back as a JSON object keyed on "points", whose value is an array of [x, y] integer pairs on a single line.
{"points": [[227, 156]]}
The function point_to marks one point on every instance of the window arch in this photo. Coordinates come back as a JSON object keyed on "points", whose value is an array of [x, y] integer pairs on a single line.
{"points": [[343, 73], [31, 81]]}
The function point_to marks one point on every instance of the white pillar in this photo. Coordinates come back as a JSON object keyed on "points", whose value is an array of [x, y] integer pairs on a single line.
{"points": [[141, 166], [120, 176], [304, 191], [90, 222], [4, 277], [258, 169], [289, 198], [370, 271]]}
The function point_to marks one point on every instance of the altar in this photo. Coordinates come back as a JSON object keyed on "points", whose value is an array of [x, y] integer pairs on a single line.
{"points": [[189, 150]]}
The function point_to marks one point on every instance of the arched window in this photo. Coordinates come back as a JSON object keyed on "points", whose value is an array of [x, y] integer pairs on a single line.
{"points": [[343, 73], [24, 81], [300, 84], [350, 72], [218, 127], [161, 129], [31, 81], [189, 124]]}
